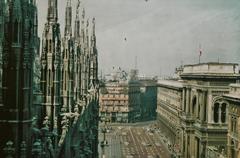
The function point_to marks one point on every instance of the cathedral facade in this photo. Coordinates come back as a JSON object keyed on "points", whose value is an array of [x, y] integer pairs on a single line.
{"points": [[49, 101], [18, 47]]}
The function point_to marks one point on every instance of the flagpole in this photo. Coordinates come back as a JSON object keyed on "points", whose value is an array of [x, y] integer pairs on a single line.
{"points": [[200, 54], [199, 58]]}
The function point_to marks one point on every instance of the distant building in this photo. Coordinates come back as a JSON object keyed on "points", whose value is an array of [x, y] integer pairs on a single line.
{"points": [[192, 111], [169, 108], [148, 98], [233, 142], [120, 101], [127, 98]]}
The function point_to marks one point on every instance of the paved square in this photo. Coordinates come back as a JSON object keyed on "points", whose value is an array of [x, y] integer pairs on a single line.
{"points": [[133, 141]]}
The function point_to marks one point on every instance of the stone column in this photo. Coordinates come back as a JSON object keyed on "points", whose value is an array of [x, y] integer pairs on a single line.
{"points": [[203, 153], [187, 101], [226, 118], [238, 131], [183, 100], [202, 106], [190, 102], [186, 146], [192, 145], [197, 105], [209, 107], [228, 136], [219, 113]]}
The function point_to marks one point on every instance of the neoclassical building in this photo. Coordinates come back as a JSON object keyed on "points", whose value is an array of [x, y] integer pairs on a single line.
{"points": [[195, 108], [169, 101], [233, 141], [49, 101]]}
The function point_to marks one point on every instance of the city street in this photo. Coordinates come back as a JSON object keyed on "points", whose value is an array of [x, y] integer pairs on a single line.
{"points": [[132, 141]]}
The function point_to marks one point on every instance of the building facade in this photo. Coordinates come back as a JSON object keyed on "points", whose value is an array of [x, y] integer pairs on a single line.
{"points": [[201, 113], [233, 141], [126, 97], [120, 101], [148, 99], [49, 102], [169, 101]]}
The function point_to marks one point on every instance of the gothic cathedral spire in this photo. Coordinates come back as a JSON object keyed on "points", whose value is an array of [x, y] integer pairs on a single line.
{"points": [[50, 64], [18, 57], [52, 11], [67, 68], [77, 22], [68, 19]]}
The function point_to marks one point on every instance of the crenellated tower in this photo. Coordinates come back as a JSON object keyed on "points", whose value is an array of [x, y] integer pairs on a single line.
{"points": [[18, 56], [50, 64]]}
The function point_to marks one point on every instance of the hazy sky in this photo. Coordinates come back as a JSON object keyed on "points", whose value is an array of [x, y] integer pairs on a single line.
{"points": [[161, 33]]}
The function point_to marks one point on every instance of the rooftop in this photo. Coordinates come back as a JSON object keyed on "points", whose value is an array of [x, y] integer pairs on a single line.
{"points": [[211, 70], [170, 83], [234, 92]]}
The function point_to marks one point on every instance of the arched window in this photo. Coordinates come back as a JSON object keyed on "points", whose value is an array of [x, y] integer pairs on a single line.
{"points": [[223, 112], [232, 149], [219, 111], [215, 114]]}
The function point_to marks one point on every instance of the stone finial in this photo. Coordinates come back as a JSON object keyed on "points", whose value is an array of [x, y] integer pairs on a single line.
{"points": [[9, 150], [37, 148], [76, 109], [77, 9], [34, 122], [55, 123], [76, 114], [23, 149], [93, 20], [50, 146], [87, 23], [68, 3], [65, 124], [63, 109], [46, 122]]}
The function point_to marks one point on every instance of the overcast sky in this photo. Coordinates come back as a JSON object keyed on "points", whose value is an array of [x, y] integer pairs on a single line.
{"points": [[161, 33]]}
